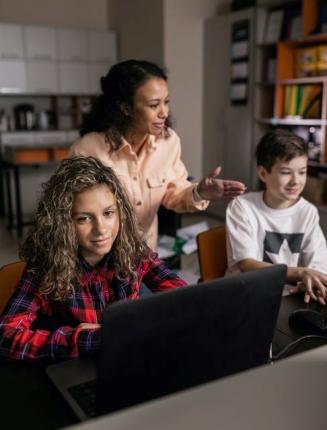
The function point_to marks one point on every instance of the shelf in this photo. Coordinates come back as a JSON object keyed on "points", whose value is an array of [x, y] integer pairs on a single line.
{"points": [[265, 83], [294, 121], [316, 164], [299, 81]]}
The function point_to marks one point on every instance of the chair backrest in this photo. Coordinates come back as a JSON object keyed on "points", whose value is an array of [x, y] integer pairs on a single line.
{"points": [[212, 253], [10, 275]]}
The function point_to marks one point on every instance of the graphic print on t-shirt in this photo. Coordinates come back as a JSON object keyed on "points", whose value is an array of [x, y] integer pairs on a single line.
{"points": [[282, 248]]}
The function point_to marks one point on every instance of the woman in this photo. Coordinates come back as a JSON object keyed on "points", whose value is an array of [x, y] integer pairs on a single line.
{"points": [[128, 130]]}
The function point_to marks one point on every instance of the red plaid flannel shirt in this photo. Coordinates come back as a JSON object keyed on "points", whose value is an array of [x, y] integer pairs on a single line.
{"points": [[33, 328]]}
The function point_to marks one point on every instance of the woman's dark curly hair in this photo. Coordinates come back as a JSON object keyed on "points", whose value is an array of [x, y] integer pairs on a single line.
{"points": [[51, 247], [108, 112]]}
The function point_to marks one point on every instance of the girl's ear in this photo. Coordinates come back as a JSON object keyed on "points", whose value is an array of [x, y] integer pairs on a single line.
{"points": [[262, 173]]}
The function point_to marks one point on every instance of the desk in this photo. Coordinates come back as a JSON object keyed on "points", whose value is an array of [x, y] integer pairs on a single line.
{"points": [[290, 394], [284, 334], [28, 399]]}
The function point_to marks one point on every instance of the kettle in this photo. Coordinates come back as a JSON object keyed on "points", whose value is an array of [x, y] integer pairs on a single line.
{"points": [[24, 116]]}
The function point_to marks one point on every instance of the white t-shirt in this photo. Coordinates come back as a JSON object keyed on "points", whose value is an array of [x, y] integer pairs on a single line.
{"points": [[290, 236]]}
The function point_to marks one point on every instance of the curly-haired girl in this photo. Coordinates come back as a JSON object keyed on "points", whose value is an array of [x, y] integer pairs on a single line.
{"points": [[83, 252]]}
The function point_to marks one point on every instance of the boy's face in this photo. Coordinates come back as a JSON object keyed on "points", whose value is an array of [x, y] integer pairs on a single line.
{"points": [[96, 218], [285, 182]]}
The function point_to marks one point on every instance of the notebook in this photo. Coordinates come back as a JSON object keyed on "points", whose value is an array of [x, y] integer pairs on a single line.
{"points": [[167, 342]]}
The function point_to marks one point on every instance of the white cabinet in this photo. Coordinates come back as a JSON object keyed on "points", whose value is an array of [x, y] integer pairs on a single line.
{"points": [[40, 43], [54, 60], [71, 45], [12, 76], [102, 46], [11, 41], [73, 78], [41, 77]]}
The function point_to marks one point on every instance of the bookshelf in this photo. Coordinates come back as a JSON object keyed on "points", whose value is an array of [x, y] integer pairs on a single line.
{"points": [[286, 103]]}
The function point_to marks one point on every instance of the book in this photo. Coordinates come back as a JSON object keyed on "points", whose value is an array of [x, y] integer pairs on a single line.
{"points": [[274, 26], [312, 109]]}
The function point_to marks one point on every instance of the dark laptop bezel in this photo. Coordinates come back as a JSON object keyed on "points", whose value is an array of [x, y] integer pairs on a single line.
{"points": [[128, 373]]}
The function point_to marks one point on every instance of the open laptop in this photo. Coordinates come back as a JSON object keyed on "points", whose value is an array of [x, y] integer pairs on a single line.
{"points": [[171, 341]]}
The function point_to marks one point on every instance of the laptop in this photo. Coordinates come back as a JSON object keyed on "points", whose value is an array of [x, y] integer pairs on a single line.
{"points": [[171, 341]]}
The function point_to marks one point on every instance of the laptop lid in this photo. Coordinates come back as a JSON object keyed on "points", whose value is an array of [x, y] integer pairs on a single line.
{"points": [[168, 342]]}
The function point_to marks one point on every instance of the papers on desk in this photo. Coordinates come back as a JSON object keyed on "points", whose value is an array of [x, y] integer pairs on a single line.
{"points": [[165, 246], [168, 246], [189, 234]]}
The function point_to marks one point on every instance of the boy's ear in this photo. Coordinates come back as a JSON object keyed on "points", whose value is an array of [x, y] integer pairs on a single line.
{"points": [[262, 173]]}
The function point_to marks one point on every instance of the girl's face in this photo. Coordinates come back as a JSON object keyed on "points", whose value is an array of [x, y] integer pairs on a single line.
{"points": [[151, 107], [96, 219]]}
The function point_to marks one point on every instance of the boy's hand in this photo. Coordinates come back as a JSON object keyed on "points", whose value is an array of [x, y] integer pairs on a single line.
{"points": [[314, 285]]}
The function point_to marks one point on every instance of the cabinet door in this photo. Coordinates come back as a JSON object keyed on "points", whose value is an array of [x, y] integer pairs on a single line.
{"points": [[41, 77], [12, 76], [73, 78], [102, 46], [95, 71], [11, 41], [40, 43], [71, 45]]}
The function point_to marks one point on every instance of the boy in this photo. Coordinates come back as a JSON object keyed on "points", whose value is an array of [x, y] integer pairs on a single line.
{"points": [[277, 225]]}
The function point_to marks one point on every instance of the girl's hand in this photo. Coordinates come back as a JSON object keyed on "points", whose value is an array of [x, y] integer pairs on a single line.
{"points": [[88, 326]]}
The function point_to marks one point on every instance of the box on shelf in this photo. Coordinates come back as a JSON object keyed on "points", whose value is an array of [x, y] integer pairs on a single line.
{"points": [[322, 53], [321, 68], [306, 55], [304, 70]]}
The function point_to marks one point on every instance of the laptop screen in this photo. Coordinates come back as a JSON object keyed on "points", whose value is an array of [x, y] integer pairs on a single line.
{"points": [[171, 341]]}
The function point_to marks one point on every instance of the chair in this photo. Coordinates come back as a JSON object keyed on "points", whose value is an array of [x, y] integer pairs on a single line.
{"points": [[10, 275], [212, 253]]}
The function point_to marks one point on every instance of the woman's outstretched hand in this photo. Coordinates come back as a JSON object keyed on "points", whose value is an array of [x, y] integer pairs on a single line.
{"points": [[212, 188]]}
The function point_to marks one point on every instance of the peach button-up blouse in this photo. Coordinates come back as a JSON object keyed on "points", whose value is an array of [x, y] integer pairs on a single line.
{"points": [[153, 177]]}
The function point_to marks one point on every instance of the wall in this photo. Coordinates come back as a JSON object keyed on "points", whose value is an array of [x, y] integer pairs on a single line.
{"points": [[85, 14], [139, 25], [170, 32], [184, 24]]}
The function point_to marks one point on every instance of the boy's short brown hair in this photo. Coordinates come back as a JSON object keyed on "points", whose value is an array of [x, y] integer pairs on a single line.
{"points": [[279, 144]]}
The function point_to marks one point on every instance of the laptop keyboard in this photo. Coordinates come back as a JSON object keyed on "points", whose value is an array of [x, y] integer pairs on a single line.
{"points": [[84, 395]]}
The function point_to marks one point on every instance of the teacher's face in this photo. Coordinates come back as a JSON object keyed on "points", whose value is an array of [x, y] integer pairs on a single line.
{"points": [[151, 107]]}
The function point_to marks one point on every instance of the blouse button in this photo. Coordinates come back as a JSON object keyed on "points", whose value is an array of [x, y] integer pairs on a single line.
{"points": [[135, 178], [138, 203]]}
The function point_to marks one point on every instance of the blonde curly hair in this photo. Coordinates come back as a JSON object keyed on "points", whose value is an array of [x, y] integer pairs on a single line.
{"points": [[51, 247]]}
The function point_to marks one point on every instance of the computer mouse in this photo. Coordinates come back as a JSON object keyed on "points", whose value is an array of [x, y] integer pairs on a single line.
{"points": [[310, 320]]}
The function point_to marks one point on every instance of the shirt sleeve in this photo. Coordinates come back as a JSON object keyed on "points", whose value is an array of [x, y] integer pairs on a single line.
{"points": [[21, 339], [179, 194], [158, 277], [242, 240], [314, 251]]}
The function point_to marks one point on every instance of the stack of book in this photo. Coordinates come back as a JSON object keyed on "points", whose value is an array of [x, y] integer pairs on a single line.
{"points": [[302, 101]]}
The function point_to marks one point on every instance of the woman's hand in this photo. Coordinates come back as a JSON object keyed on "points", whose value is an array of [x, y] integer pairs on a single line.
{"points": [[211, 188]]}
